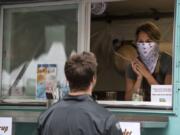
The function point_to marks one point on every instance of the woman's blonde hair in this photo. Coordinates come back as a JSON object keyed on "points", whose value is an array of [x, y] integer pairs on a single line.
{"points": [[151, 30]]}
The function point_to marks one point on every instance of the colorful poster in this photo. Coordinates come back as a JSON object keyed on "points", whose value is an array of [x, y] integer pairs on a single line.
{"points": [[46, 81], [51, 81]]}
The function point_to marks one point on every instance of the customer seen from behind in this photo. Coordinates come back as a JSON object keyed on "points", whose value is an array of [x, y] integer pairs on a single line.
{"points": [[78, 113]]}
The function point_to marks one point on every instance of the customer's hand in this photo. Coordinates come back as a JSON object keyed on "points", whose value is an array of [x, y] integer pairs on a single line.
{"points": [[126, 132]]}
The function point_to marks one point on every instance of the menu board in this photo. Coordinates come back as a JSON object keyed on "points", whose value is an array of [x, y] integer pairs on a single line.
{"points": [[46, 81]]}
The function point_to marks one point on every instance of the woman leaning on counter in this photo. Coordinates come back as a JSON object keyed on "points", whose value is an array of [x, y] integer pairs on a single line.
{"points": [[150, 67]]}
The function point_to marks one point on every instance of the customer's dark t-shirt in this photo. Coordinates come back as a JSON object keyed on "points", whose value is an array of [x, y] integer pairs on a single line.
{"points": [[78, 115]]}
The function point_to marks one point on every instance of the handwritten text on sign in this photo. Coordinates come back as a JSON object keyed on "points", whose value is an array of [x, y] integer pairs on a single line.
{"points": [[5, 126]]}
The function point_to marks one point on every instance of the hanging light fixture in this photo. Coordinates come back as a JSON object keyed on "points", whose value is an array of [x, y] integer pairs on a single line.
{"points": [[98, 8]]}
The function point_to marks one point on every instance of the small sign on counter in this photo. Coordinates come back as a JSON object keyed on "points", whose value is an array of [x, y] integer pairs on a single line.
{"points": [[5, 126], [161, 94], [131, 128]]}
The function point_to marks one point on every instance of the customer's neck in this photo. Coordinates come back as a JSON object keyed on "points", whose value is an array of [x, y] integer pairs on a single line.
{"points": [[78, 93]]}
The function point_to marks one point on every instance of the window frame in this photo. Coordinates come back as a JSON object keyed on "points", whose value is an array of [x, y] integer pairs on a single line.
{"points": [[175, 73], [84, 17], [81, 44]]}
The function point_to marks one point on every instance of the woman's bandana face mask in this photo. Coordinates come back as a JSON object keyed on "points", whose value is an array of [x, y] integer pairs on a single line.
{"points": [[149, 53]]}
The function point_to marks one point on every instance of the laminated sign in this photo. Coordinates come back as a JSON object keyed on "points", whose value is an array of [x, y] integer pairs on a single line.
{"points": [[46, 81], [5, 126], [161, 94], [130, 128]]}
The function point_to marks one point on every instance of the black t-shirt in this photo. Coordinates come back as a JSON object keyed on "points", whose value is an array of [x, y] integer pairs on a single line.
{"points": [[163, 68], [78, 115]]}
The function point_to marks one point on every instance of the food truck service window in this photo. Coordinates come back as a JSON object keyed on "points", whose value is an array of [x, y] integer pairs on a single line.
{"points": [[36, 41], [133, 43]]}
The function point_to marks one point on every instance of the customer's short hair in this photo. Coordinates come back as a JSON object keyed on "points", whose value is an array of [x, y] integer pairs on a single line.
{"points": [[80, 69], [151, 30]]}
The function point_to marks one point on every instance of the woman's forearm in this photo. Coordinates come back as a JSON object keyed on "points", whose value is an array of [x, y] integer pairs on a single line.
{"points": [[137, 84], [132, 87], [151, 80]]}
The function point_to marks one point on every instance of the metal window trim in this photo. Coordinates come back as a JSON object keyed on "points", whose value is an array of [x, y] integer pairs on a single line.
{"points": [[40, 4], [96, 1], [176, 78], [1, 48], [84, 26]]}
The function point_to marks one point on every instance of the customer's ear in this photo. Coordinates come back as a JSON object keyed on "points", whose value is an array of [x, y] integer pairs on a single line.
{"points": [[93, 83], [94, 79]]}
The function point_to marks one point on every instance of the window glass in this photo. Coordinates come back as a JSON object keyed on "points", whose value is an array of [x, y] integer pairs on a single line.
{"points": [[37, 39], [115, 43]]}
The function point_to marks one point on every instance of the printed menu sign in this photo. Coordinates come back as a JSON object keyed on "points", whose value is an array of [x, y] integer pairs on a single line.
{"points": [[131, 128], [5, 126], [46, 81], [161, 94]]}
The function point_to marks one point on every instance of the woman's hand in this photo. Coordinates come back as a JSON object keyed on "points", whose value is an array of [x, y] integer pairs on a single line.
{"points": [[135, 68], [141, 69]]}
